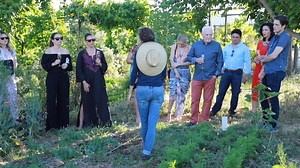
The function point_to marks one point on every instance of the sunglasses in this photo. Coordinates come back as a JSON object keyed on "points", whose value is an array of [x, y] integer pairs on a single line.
{"points": [[90, 40], [232, 53], [2, 38], [59, 38]]}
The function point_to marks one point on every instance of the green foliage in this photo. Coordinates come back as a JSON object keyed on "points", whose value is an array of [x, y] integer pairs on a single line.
{"points": [[244, 147], [248, 37], [282, 158], [111, 17]]}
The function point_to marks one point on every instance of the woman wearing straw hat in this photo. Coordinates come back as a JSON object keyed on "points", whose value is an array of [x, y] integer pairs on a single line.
{"points": [[149, 67]]}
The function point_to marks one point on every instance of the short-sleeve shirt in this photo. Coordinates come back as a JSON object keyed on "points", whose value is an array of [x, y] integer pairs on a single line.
{"points": [[280, 63]]}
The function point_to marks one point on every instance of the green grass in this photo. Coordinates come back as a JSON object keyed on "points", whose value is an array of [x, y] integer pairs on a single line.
{"points": [[204, 146]]}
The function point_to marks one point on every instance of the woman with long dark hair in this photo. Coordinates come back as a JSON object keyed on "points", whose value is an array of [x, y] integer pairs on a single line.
{"points": [[266, 31], [90, 69], [57, 62], [8, 59]]}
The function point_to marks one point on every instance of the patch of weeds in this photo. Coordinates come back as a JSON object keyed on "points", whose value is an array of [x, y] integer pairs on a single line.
{"points": [[245, 147]]}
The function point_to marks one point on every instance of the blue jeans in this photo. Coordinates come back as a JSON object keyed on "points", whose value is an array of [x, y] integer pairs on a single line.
{"points": [[149, 101], [229, 78], [273, 81]]}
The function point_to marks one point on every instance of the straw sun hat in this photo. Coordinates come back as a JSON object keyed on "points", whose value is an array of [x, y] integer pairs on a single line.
{"points": [[151, 58]]}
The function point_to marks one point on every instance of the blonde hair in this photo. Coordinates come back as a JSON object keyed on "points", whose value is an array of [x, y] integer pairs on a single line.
{"points": [[183, 38]]}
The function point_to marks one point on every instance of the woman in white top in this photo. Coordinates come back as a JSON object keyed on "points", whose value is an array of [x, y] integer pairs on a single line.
{"points": [[8, 86]]}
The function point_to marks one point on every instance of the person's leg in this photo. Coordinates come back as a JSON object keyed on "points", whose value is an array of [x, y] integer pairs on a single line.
{"points": [[274, 84], [143, 96], [155, 104], [172, 97], [209, 90], [51, 89], [81, 116], [184, 84], [223, 87], [101, 100], [63, 100], [265, 104], [137, 120], [11, 87], [89, 108], [196, 95], [235, 89], [254, 106]]}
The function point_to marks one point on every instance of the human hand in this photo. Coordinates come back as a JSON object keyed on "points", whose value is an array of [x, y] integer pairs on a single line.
{"points": [[177, 74], [256, 60], [56, 62], [245, 78], [129, 97], [86, 86], [261, 75], [200, 60], [98, 61], [175, 65], [64, 66]]}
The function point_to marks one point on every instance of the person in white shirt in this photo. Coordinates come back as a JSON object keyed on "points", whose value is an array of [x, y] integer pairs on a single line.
{"points": [[8, 60]]}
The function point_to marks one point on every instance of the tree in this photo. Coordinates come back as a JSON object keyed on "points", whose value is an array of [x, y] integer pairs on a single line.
{"points": [[113, 18]]}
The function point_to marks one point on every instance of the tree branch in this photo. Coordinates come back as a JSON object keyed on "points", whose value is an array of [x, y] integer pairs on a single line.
{"points": [[271, 12]]}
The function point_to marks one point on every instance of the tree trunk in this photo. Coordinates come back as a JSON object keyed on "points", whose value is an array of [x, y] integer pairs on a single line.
{"points": [[264, 4], [296, 57], [289, 67]]}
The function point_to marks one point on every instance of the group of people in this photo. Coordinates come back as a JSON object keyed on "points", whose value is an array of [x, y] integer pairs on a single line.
{"points": [[233, 65], [90, 68], [148, 74]]}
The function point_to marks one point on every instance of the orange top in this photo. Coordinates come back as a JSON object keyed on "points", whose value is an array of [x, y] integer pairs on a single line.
{"points": [[263, 49]]}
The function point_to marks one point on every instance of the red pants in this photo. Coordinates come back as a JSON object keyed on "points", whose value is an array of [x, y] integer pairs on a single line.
{"points": [[209, 89]]}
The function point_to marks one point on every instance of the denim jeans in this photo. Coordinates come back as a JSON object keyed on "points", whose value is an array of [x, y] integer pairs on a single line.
{"points": [[149, 101], [228, 78], [273, 81]]}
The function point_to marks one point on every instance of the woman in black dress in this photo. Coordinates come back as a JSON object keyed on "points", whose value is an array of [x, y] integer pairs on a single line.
{"points": [[90, 68], [57, 61]]}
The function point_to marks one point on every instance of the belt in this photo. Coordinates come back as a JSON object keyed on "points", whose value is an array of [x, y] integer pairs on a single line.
{"points": [[236, 70]]}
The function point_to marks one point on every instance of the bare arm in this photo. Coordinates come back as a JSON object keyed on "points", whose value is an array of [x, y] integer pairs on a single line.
{"points": [[273, 55]]}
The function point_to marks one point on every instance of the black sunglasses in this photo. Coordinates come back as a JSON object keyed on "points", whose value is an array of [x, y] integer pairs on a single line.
{"points": [[2, 38], [59, 38], [90, 40], [232, 53]]}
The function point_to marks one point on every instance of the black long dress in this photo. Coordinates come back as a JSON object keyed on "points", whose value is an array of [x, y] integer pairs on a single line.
{"points": [[57, 87], [95, 102]]}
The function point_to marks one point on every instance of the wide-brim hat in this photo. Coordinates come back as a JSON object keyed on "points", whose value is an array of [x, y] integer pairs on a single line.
{"points": [[151, 58]]}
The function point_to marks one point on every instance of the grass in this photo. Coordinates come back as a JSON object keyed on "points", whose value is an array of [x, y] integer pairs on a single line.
{"points": [[204, 146]]}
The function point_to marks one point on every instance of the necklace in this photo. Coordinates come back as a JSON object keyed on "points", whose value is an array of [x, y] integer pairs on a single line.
{"points": [[266, 43]]}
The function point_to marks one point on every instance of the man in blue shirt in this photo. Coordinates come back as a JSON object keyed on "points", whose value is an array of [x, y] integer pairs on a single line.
{"points": [[236, 61], [275, 67], [207, 57]]}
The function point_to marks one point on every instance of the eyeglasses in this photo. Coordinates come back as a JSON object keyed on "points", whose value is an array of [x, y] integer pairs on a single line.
{"points": [[59, 38], [2, 38], [232, 53], [90, 40]]}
